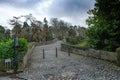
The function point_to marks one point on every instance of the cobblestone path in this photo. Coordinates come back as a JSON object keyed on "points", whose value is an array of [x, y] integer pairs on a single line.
{"points": [[75, 67]]}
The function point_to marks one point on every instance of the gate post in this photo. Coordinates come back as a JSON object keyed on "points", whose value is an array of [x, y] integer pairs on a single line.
{"points": [[68, 51], [56, 53], [43, 54]]}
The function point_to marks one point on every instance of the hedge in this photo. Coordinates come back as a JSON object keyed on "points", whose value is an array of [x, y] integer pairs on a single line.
{"points": [[7, 48]]}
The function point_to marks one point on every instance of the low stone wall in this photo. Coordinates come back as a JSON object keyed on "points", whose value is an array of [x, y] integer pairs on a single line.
{"points": [[46, 42], [27, 57], [104, 55]]}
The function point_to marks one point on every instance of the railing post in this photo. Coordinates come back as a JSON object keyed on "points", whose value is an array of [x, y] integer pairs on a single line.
{"points": [[43, 54], [56, 53], [68, 51]]}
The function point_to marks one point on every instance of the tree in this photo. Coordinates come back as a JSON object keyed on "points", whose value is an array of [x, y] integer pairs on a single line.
{"points": [[2, 31], [31, 29], [72, 38], [81, 33], [71, 32], [60, 28], [104, 25], [63, 29], [37, 33], [34, 30], [16, 26], [48, 34], [7, 33], [54, 23], [25, 25]]}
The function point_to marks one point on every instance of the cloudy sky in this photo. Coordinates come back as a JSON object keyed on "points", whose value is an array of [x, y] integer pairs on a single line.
{"points": [[72, 11]]}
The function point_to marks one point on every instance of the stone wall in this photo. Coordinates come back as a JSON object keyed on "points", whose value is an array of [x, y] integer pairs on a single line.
{"points": [[85, 51], [27, 57]]}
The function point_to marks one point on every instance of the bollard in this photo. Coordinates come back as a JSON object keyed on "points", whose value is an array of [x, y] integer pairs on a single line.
{"points": [[56, 53], [43, 54], [68, 51]]}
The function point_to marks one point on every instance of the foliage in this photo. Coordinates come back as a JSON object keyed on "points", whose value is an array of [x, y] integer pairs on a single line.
{"points": [[16, 25], [71, 36], [71, 32], [118, 56], [72, 40], [82, 43], [37, 31], [2, 30], [7, 47], [60, 28], [33, 31], [48, 33], [2, 73], [23, 44], [104, 25]]}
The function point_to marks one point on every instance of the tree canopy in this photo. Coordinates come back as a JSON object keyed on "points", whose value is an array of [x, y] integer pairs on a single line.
{"points": [[104, 25]]}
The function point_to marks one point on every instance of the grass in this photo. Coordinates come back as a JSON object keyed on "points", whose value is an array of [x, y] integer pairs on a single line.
{"points": [[82, 43], [2, 73]]}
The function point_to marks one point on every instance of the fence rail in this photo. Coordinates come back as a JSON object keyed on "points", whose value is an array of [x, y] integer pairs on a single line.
{"points": [[21, 62], [6, 65]]}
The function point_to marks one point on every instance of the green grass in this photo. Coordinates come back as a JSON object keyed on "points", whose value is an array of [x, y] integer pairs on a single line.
{"points": [[82, 43], [2, 73]]}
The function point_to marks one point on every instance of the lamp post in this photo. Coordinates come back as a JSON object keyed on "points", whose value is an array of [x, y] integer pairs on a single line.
{"points": [[15, 57]]}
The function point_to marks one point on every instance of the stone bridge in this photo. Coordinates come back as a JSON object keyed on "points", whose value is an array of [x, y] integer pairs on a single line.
{"points": [[64, 67]]}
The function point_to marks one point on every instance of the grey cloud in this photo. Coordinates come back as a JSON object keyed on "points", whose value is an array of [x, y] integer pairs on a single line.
{"points": [[70, 7], [73, 11], [20, 3]]}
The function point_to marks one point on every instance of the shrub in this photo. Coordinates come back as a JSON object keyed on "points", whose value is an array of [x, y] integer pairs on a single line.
{"points": [[23, 44], [7, 48], [118, 56], [73, 40]]}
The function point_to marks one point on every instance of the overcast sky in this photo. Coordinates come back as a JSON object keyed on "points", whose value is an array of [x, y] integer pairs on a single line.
{"points": [[72, 11]]}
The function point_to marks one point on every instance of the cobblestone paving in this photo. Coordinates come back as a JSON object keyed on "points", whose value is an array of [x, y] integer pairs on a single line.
{"points": [[75, 67]]}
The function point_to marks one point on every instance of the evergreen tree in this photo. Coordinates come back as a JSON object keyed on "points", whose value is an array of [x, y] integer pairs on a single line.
{"points": [[104, 25]]}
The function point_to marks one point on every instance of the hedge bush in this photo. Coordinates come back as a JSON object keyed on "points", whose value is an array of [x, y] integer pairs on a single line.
{"points": [[23, 44], [118, 56], [7, 48], [73, 40]]}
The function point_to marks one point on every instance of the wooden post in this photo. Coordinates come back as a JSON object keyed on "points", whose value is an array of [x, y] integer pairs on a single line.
{"points": [[56, 53], [68, 51], [43, 54]]}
